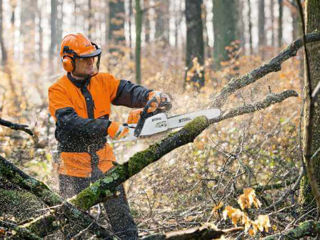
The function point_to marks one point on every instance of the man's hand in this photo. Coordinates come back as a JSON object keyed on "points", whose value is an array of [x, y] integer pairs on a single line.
{"points": [[117, 131], [161, 101]]}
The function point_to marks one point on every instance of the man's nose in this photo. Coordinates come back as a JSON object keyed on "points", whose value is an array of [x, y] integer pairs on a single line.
{"points": [[90, 60]]}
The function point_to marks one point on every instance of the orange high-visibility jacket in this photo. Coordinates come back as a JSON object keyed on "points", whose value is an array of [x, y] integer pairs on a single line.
{"points": [[81, 111]]}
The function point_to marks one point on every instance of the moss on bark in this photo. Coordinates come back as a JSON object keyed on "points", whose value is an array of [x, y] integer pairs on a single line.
{"points": [[106, 187], [19, 204]]}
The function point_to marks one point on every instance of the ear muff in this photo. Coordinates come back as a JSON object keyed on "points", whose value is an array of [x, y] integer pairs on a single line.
{"points": [[68, 63]]}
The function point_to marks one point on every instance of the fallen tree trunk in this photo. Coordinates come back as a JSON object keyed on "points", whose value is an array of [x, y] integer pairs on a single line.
{"points": [[21, 233], [205, 232], [59, 208], [106, 187], [305, 229]]}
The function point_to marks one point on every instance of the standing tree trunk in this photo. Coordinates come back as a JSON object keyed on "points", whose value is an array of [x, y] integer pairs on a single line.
{"points": [[224, 26], [4, 56], [241, 24], [138, 41], [195, 44], [116, 27], [59, 21], [207, 49], [54, 37], [40, 30], [280, 23], [11, 44], [146, 5], [28, 29], [261, 27], [162, 21], [312, 110], [90, 20], [130, 29], [250, 27], [295, 25], [75, 10], [272, 22]]}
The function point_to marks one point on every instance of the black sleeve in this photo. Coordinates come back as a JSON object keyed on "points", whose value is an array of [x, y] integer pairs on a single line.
{"points": [[74, 130], [131, 95]]}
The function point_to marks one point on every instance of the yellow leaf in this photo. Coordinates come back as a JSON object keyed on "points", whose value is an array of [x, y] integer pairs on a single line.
{"points": [[263, 222], [248, 198], [189, 218], [251, 232], [234, 214], [217, 207]]}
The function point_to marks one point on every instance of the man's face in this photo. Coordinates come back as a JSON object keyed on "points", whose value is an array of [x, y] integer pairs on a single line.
{"points": [[84, 67]]}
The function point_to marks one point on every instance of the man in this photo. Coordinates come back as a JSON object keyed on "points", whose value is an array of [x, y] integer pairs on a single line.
{"points": [[80, 102]]}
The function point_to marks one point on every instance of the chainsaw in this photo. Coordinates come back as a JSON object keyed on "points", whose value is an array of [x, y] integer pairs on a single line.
{"points": [[142, 123]]}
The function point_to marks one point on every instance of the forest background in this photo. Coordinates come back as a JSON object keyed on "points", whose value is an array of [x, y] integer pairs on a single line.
{"points": [[193, 50]]}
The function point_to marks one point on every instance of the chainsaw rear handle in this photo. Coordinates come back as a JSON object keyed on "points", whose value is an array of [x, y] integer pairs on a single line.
{"points": [[145, 114]]}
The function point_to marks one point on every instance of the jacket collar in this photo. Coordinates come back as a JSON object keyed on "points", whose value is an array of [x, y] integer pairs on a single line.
{"points": [[78, 83]]}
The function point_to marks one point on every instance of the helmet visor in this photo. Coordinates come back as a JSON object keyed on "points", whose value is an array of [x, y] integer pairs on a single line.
{"points": [[87, 66]]}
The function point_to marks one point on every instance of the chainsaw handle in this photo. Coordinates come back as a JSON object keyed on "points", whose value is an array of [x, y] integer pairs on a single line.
{"points": [[144, 115]]}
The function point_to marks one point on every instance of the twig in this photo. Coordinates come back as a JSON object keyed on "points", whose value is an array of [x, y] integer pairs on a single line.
{"points": [[16, 126]]}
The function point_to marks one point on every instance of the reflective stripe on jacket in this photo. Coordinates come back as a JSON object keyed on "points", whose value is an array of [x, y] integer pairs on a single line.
{"points": [[81, 111]]}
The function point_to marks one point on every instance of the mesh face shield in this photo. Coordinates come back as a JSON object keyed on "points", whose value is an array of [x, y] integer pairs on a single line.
{"points": [[88, 64]]}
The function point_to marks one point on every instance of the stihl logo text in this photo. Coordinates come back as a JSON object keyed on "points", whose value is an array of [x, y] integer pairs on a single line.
{"points": [[156, 119], [184, 120]]}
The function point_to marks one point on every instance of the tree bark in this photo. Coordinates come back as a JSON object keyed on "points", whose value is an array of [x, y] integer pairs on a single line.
{"points": [[261, 27], [53, 36], [40, 31], [224, 25], [250, 27], [41, 191], [311, 107], [305, 229], [4, 55], [195, 43], [147, 29], [28, 29], [205, 232], [90, 19], [139, 15], [280, 30], [116, 27], [272, 23], [162, 22]]}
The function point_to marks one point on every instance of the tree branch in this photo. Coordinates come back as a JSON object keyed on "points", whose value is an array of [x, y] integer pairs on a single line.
{"points": [[40, 190], [308, 228], [268, 101], [105, 187], [21, 233], [274, 65], [16, 126], [204, 232]]}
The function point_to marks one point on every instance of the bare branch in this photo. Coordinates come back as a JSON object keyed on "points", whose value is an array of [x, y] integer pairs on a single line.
{"points": [[204, 232], [269, 100], [16, 126], [20, 233], [308, 228], [274, 65]]}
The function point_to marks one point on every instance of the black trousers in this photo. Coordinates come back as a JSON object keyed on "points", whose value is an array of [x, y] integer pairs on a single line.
{"points": [[117, 208]]}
